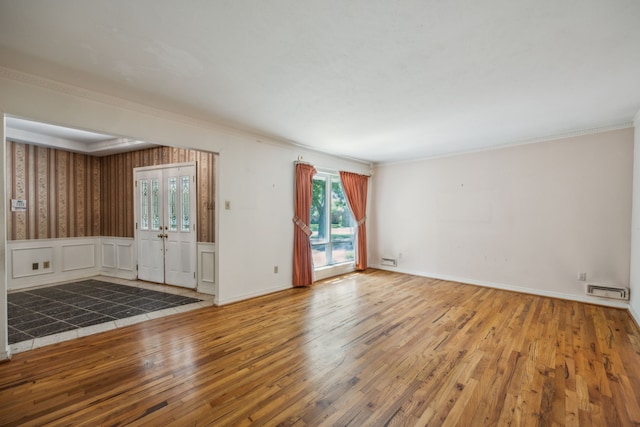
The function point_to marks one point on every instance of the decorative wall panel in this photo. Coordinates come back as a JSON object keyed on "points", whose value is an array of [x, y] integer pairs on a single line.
{"points": [[62, 191], [23, 261], [78, 256], [108, 255], [117, 188]]}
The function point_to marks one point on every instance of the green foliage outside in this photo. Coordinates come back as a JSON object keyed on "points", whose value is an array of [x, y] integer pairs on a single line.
{"points": [[340, 213]]}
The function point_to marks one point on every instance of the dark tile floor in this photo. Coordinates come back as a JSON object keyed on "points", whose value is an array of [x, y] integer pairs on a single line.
{"points": [[47, 311]]}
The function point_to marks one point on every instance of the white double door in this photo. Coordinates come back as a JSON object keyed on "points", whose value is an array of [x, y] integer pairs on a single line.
{"points": [[165, 212]]}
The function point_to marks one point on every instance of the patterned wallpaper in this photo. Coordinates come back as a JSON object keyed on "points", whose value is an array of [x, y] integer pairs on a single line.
{"points": [[62, 191], [117, 188], [75, 195]]}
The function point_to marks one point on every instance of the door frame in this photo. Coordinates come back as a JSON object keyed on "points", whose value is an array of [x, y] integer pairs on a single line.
{"points": [[194, 215]]}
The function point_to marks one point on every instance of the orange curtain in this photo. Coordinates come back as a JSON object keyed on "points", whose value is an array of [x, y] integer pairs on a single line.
{"points": [[355, 188], [302, 261]]}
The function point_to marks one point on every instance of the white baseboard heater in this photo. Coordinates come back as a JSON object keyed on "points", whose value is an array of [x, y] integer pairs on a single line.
{"points": [[606, 291], [389, 261]]}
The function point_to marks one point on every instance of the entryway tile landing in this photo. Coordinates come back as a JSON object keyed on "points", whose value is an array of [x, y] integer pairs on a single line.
{"points": [[52, 314]]}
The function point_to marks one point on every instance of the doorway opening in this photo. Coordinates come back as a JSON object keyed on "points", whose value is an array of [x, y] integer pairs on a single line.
{"points": [[74, 215]]}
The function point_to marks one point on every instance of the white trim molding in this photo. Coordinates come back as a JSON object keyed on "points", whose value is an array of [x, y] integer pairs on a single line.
{"points": [[512, 288], [5, 354], [322, 273], [568, 134], [636, 316], [218, 301]]}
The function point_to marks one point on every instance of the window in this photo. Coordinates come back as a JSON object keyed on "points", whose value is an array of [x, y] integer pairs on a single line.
{"points": [[332, 224]]}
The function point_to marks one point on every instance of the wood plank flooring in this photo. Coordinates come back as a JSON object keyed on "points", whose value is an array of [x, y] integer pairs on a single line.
{"points": [[375, 348]]}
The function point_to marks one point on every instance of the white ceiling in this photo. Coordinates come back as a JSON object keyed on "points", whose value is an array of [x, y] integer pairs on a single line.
{"points": [[378, 80], [77, 140]]}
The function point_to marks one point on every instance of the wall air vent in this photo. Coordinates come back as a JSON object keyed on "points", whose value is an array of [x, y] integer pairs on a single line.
{"points": [[605, 291], [392, 262]]}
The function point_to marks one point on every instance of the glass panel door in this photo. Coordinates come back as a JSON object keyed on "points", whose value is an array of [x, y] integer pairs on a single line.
{"points": [[165, 226]]}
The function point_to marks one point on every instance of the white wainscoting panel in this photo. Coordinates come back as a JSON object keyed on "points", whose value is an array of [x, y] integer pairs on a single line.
{"points": [[31, 261], [207, 268], [108, 255], [69, 259], [125, 256], [119, 257], [79, 256]]}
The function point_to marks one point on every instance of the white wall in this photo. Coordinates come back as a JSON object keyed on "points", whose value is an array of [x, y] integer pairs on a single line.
{"points": [[634, 304], [4, 338], [256, 175], [527, 217]]}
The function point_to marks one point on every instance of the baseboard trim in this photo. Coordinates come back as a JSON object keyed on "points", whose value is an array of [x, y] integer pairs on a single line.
{"points": [[634, 315], [250, 295], [118, 275], [5, 355], [333, 270], [512, 288]]}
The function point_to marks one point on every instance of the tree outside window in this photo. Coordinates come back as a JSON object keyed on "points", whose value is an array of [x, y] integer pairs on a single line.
{"points": [[332, 223]]}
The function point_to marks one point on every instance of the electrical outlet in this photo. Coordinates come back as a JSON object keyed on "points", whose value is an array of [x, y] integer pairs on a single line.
{"points": [[582, 277], [275, 269], [227, 204]]}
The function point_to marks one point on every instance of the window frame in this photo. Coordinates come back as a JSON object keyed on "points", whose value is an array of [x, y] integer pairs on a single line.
{"points": [[328, 242]]}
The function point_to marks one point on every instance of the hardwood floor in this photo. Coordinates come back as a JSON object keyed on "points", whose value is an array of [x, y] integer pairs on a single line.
{"points": [[376, 348]]}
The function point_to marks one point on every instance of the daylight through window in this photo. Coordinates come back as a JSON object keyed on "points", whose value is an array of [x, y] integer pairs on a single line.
{"points": [[332, 223]]}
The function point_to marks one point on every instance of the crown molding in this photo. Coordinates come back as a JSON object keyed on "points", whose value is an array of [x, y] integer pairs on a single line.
{"points": [[552, 137], [33, 80], [122, 103], [68, 89], [636, 119], [102, 98]]}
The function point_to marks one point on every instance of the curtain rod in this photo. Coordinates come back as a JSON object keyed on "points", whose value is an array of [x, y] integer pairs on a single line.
{"points": [[302, 162]]}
